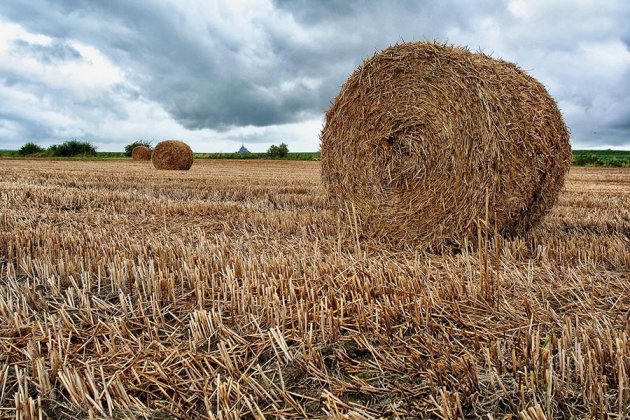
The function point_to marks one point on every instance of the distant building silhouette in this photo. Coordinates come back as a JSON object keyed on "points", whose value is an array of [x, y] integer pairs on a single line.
{"points": [[243, 150]]}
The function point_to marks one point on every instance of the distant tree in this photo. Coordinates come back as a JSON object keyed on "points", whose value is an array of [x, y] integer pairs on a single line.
{"points": [[129, 148], [283, 150], [73, 148], [278, 151], [272, 151], [30, 148]]}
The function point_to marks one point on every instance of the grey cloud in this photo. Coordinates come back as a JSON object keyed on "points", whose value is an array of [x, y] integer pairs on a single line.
{"points": [[32, 129], [309, 12], [56, 51], [259, 138], [88, 106], [409, 17], [609, 137], [126, 92]]}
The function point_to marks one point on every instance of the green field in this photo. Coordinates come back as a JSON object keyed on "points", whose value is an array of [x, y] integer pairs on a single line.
{"points": [[610, 158]]}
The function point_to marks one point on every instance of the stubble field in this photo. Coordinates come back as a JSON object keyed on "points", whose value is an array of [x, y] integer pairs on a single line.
{"points": [[232, 291]]}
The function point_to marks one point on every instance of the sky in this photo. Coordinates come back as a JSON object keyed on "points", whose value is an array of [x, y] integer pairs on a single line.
{"points": [[218, 74]]}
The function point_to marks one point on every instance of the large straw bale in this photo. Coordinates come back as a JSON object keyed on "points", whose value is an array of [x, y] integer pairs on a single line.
{"points": [[141, 153], [425, 141], [172, 155]]}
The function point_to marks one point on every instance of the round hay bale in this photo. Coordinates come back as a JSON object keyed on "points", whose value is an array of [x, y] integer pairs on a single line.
{"points": [[424, 137], [141, 153], [172, 155]]}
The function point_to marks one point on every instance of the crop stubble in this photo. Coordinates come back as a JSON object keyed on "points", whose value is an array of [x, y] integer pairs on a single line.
{"points": [[231, 290]]}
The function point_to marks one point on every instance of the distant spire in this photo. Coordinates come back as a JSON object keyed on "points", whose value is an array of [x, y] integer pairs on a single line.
{"points": [[243, 150]]}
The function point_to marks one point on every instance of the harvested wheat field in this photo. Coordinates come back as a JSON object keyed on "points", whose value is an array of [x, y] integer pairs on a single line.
{"points": [[231, 291]]}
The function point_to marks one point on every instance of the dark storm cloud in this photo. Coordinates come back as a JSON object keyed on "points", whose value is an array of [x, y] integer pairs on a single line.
{"points": [[198, 74], [437, 13], [212, 67], [208, 78], [309, 12]]}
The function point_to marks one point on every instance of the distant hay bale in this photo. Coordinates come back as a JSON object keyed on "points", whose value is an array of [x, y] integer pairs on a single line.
{"points": [[172, 155], [141, 153], [422, 134]]}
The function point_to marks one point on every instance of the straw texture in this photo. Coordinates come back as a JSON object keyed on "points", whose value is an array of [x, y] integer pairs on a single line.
{"points": [[432, 144], [172, 155], [141, 153]]}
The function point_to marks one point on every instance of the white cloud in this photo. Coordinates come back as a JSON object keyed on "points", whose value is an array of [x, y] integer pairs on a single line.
{"points": [[12, 31]]}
